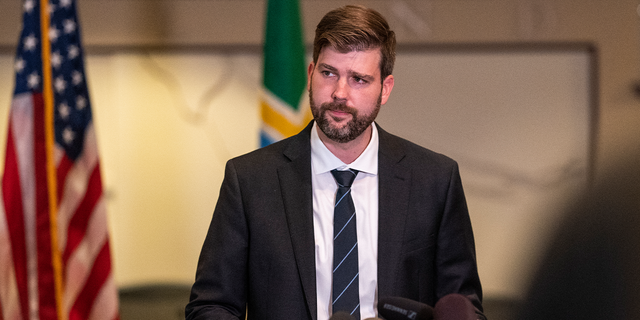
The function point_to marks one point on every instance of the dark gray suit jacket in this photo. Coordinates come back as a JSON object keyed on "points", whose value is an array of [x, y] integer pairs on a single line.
{"points": [[259, 252]]}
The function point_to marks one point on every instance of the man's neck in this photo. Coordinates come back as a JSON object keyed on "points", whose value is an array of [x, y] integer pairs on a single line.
{"points": [[347, 152]]}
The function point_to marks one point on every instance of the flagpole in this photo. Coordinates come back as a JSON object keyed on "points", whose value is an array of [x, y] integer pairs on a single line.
{"points": [[47, 93]]}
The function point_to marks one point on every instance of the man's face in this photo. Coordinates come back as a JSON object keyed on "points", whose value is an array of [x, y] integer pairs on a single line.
{"points": [[345, 92]]}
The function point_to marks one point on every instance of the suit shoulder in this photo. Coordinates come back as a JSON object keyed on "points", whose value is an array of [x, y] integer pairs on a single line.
{"points": [[274, 153]]}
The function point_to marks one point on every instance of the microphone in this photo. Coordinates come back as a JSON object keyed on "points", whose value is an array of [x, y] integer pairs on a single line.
{"points": [[454, 307], [397, 308], [341, 315]]}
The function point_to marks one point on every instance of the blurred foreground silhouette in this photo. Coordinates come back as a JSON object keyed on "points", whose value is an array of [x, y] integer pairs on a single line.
{"points": [[592, 267]]}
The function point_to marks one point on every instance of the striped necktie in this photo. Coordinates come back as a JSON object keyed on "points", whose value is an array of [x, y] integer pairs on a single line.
{"points": [[345, 247]]}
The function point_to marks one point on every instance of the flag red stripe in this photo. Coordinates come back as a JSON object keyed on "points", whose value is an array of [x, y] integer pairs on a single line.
{"points": [[78, 224], [46, 289], [14, 211], [63, 169], [97, 277]]}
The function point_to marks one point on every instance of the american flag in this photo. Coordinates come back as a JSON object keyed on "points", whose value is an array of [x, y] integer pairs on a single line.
{"points": [[55, 261]]}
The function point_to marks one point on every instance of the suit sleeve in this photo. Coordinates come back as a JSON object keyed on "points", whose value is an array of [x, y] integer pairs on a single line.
{"points": [[456, 258], [220, 287]]}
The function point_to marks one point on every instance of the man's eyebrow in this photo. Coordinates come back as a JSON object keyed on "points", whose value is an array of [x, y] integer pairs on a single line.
{"points": [[361, 75], [328, 67]]}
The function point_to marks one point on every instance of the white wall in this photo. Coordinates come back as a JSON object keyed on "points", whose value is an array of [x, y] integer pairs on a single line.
{"points": [[165, 126]]}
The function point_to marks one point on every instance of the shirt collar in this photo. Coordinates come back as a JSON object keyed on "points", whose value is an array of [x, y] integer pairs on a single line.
{"points": [[322, 160]]}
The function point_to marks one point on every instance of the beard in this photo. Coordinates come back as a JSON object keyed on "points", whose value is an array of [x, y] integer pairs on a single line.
{"points": [[353, 129]]}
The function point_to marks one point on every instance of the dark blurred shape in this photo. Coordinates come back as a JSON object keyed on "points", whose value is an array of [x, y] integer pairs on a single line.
{"points": [[154, 302], [397, 308], [592, 267], [454, 307]]}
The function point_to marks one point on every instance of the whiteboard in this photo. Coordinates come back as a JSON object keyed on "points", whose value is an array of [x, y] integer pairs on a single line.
{"points": [[520, 121]]}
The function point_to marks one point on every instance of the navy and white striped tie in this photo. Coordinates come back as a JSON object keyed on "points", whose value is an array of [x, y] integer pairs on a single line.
{"points": [[345, 247]]}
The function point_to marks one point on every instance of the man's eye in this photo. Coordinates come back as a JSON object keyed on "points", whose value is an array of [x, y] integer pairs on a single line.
{"points": [[359, 80], [327, 73]]}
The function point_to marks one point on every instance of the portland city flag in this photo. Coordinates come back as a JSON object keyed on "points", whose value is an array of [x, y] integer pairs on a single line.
{"points": [[283, 101], [55, 261]]}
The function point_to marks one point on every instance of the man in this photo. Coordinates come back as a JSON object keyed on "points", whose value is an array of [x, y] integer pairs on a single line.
{"points": [[270, 247]]}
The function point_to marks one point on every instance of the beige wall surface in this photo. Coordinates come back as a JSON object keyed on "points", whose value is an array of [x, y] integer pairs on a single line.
{"points": [[160, 205]]}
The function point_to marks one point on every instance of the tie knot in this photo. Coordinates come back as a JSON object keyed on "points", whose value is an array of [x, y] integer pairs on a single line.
{"points": [[344, 178]]}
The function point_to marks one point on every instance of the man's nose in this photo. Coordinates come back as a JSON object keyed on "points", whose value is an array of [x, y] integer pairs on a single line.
{"points": [[341, 90]]}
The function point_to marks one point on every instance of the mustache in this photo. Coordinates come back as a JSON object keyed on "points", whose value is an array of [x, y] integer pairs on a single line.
{"points": [[338, 106]]}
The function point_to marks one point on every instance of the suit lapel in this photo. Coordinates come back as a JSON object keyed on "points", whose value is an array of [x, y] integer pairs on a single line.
{"points": [[295, 185], [394, 184]]}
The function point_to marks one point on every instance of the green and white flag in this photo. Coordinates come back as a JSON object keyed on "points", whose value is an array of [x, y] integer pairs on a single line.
{"points": [[283, 99]]}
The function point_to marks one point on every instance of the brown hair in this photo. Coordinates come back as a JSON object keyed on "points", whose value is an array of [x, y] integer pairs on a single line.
{"points": [[356, 28]]}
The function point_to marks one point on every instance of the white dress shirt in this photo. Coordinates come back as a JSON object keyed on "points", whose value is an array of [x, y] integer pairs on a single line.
{"points": [[364, 192]]}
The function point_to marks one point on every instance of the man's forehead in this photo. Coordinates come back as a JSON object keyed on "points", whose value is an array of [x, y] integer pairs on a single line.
{"points": [[347, 50], [359, 61]]}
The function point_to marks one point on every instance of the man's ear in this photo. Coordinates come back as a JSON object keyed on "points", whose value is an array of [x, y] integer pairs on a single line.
{"points": [[309, 74], [387, 86]]}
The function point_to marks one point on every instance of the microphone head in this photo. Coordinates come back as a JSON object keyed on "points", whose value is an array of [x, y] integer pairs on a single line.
{"points": [[341, 315], [397, 308], [454, 307]]}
